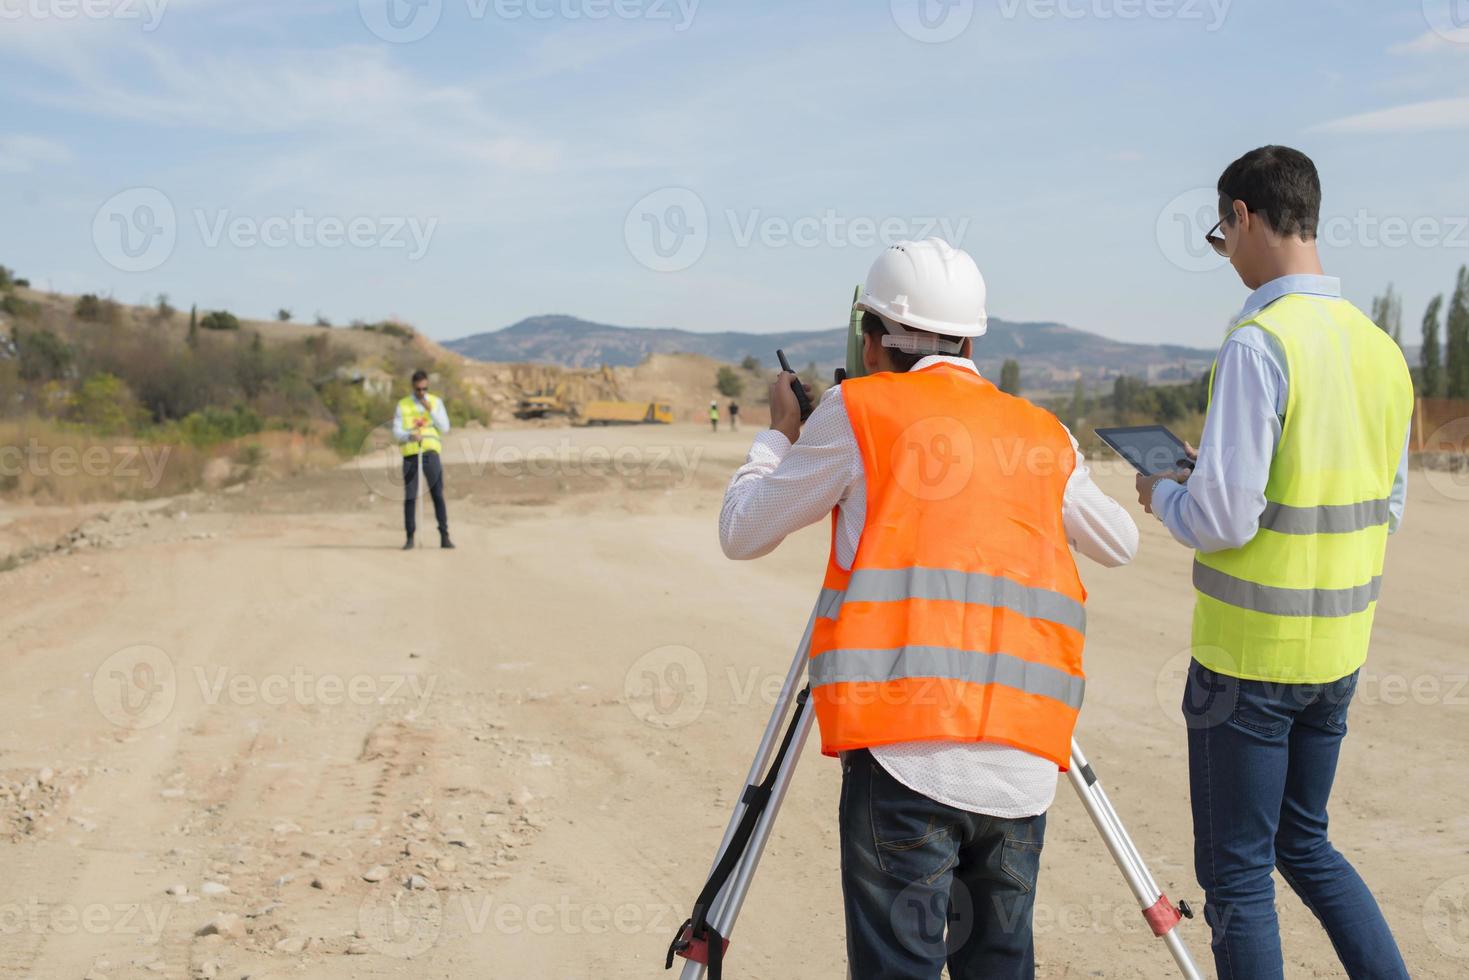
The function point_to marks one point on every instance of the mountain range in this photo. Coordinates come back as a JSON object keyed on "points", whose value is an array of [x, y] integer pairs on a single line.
{"points": [[1047, 352]]}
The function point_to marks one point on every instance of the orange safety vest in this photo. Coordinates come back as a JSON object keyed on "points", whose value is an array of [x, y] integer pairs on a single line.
{"points": [[962, 618]]}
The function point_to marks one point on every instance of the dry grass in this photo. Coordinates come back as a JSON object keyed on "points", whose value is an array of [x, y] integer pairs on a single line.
{"points": [[49, 463]]}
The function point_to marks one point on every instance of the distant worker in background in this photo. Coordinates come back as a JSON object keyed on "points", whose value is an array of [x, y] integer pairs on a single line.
{"points": [[713, 415], [734, 416], [419, 425], [1300, 476]]}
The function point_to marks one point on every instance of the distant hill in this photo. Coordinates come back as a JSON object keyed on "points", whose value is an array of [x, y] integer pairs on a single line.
{"points": [[1049, 353]]}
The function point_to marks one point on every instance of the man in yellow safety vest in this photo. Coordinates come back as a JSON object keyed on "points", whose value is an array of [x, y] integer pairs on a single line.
{"points": [[419, 425], [1299, 478]]}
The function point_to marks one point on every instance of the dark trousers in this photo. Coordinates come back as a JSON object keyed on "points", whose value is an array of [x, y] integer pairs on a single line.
{"points": [[927, 884], [1261, 758], [433, 472]]}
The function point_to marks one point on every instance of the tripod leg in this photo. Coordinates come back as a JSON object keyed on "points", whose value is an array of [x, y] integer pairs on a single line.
{"points": [[1162, 915], [724, 906]]}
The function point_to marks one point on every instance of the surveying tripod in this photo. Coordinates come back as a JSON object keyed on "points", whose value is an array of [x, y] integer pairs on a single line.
{"points": [[703, 940]]}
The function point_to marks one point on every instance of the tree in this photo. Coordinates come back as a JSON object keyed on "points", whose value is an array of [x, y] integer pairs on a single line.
{"points": [[220, 320], [193, 337], [322, 321], [7, 278], [88, 307], [751, 363], [1010, 377], [165, 310], [728, 382], [1431, 385], [283, 315], [1457, 329], [1078, 402], [1387, 313]]}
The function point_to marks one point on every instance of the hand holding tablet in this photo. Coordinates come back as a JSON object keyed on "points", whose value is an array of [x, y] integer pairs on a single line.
{"points": [[1151, 449]]}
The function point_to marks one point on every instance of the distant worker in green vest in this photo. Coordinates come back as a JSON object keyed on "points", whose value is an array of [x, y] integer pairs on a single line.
{"points": [[713, 415], [419, 425], [1299, 478]]}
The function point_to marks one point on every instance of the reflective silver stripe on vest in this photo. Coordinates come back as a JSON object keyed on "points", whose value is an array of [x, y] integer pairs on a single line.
{"points": [[1279, 601], [976, 667], [1327, 519], [976, 588]]}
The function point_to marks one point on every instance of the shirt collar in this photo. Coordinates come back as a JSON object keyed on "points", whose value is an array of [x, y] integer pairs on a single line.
{"points": [[1284, 286], [932, 359]]}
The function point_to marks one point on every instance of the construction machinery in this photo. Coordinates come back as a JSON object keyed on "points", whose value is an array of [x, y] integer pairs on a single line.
{"points": [[608, 412], [544, 403]]}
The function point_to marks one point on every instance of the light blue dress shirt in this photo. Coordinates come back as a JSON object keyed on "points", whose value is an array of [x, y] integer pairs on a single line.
{"points": [[1220, 505]]}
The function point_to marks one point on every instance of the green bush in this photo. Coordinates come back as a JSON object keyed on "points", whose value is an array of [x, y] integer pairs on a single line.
{"points": [[728, 382], [105, 404], [219, 320], [400, 330], [43, 356], [211, 425], [89, 307], [19, 308]]}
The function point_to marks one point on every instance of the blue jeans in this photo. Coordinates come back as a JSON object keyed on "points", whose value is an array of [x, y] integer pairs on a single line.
{"points": [[912, 867], [1261, 760]]}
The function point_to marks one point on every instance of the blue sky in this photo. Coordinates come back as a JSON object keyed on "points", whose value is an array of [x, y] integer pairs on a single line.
{"points": [[520, 156]]}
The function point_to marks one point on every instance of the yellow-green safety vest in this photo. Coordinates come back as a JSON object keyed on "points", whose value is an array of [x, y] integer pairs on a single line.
{"points": [[412, 411], [1295, 604]]}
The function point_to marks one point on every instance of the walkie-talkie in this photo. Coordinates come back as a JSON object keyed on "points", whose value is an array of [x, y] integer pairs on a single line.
{"points": [[802, 399]]}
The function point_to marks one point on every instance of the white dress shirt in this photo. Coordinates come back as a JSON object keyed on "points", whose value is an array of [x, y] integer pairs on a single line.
{"points": [[784, 487]]}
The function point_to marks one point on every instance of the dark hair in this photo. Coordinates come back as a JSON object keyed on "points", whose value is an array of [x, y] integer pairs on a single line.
{"points": [[1279, 184], [873, 326], [420, 375]]}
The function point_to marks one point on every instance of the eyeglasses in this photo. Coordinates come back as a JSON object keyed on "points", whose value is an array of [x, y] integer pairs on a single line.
{"points": [[1217, 241]]}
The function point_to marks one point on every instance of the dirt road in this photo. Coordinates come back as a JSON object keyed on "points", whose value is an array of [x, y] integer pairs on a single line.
{"points": [[243, 734]]}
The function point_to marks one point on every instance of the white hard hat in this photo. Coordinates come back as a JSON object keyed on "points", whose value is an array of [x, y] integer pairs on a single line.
{"points": [[927, 286]]}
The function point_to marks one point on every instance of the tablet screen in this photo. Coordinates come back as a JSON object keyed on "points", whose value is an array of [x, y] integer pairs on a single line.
{"points": [[1150, 448]]}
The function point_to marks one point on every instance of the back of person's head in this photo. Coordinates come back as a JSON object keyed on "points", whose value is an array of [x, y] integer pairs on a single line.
{"points": [[1279, 184], [875, 327]]}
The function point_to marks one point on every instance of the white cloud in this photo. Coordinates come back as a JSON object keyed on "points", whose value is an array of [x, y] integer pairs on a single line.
{"points": [[21, 154], [1415, 117], [1454, 41]]}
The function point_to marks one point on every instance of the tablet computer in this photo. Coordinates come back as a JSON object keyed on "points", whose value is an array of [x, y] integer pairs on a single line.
{"points": [[1152, 449]]}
